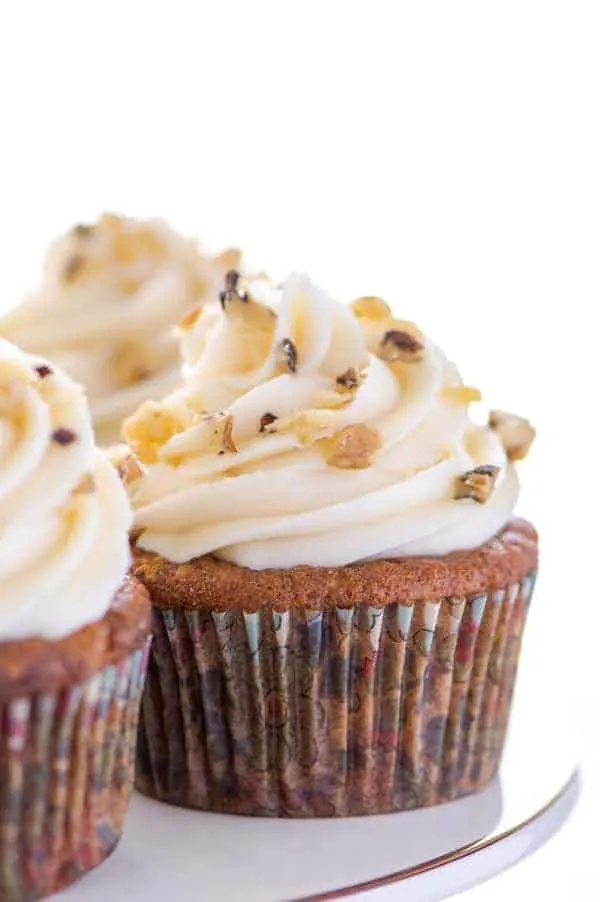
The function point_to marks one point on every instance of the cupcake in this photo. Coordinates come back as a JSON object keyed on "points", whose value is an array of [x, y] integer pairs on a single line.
{"points": [[339, 586], [74, 634], [109, 296]]}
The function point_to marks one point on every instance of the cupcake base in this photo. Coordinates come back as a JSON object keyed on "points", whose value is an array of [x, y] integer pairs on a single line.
{"points": [[67, 756], [343, 710]]}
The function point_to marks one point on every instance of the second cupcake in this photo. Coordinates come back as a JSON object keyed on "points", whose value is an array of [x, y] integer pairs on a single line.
{"points": [[74, 633]]}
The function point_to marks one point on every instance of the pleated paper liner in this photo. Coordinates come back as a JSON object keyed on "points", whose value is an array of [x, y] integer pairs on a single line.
{"points": [[66, 775], [351, 711]]}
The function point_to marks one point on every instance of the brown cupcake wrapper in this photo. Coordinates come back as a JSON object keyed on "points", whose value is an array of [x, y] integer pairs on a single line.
{"points": [[349, 711], [66, 775]]}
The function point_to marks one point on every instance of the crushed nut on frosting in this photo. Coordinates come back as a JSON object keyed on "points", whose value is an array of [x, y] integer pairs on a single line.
{"points": [[477, 484], [398, 345], [371, 308], [82, 230], [149, 429], [353, 448], [125, 463], [289, 354], [266, 420], [63, 436], [43, 371], [231, 293], [190, 319], [461, 394], [516, 433], [349, 381]]}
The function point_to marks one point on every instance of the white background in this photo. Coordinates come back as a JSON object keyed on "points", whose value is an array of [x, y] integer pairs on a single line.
{"points": [[446, 155]]}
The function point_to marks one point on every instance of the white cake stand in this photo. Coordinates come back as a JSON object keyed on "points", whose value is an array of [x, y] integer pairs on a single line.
{"points": [[172, 855]]}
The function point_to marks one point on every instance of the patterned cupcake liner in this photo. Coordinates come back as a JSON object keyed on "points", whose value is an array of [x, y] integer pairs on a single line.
{"points": [[66, 775], [352, 711]]}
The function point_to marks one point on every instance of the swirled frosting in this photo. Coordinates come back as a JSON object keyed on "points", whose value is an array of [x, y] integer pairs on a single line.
{"points": [[64, 513], [110, 293], [310, 432]]}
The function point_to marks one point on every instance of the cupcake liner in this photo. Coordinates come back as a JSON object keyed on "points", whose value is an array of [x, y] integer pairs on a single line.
{"points": [[340, 712], [66, 775]]}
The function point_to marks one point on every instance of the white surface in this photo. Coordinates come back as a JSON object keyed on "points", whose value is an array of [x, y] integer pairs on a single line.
{"points": [[168, 853], [443, 154]]}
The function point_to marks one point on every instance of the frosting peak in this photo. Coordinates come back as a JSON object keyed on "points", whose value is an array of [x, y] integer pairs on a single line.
{"points": [[110, 293], [64, 515], [310, 432]]}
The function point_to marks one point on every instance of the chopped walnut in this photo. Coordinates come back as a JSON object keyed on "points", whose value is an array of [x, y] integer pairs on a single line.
{"points": [[308, 426], [149, 429], [461, 394], [477, 484], [190, 319], [348, 381], [515, 433], [82, 230], [125, 463], [353, 448], [231, 293], [226, 438], [371, 308], [43, 370], [266, 420], [63, 436], [400, 346], [289, 354]]}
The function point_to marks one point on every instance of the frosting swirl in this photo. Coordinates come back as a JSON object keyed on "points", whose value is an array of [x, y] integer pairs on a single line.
{"points": [[309, 432], [109, 295], [64, 514]]}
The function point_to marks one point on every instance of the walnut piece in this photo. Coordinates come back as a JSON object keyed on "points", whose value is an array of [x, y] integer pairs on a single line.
{"points": [[266, 420], [73, 268], [461, 394], [349, 381], [289, 354], [149, 429], [353, 448], [398, 345], [371, 308], [516, 433], [477, 484], [190, 319]]}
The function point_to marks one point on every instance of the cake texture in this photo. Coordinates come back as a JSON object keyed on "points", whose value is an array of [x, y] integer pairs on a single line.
{"points": [[339, 584], [74, 634]]}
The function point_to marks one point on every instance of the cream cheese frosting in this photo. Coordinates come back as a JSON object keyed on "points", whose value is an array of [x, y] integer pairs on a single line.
{"points": [[311, 432], [109, 296], [64, 512]]}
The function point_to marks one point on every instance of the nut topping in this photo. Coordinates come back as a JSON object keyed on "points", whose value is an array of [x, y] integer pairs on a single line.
{"points": [[231, 293], [398, 345], [353, 448], [515, 433], [63, 436], [371, 308], [190, 319], [289, 354], [149, 429], [477, 484], [348, 381], [461, 394], [267, 419]]}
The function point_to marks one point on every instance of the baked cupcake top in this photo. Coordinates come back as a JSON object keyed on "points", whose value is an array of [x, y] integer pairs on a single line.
{"points": [[110, 293], [310, 432], [64, 513]]}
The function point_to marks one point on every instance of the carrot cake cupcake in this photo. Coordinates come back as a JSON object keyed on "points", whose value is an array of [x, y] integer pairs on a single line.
{"points": [[74, 633], [339, 584], [110, 293]]}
